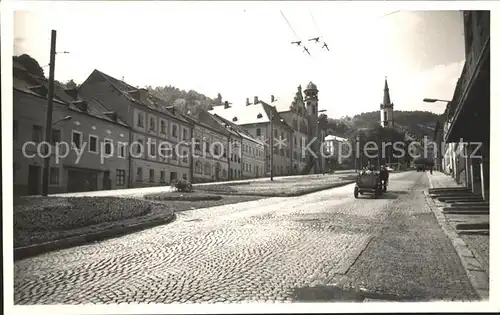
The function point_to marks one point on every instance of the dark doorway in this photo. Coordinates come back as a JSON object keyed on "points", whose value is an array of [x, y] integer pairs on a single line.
{"points": [[33, 179], [81, 180], [217, 171], [106, 181], [173, 176]]}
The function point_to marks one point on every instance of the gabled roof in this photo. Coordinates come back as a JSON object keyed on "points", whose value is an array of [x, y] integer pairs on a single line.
{"points": [[37, 86], [238, 130], [151, 101]]}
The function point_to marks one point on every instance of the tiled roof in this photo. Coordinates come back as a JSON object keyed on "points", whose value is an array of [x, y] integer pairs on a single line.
{"points": [[151, 101], [28, 83], [245, 115]]}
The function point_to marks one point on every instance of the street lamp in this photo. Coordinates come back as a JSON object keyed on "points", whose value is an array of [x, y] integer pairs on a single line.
{"points": [[62, 119], [434, 100]]}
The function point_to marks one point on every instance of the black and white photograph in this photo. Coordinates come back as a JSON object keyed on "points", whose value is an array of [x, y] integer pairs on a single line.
{"points": [[246, 156]]}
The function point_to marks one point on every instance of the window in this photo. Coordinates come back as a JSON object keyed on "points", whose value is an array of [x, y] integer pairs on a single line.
{"points": [[207, 169], [139, 146], [93, 141], [108, 144], [139, 174], [162, 176], [174, 131], [282, 136], [216, 149], [36, 134], [54, 175], [163, 127], [207, 146], [174, 153], [121, 149], [152, 124], [184, 176], [295, 125], [250, 167], [184, 134], [185, 157], [151, 175], [56, 136], [258, 132], [152, 149], [14, 129], [120, 177], [385, 116], [197, 167], [197, 144], [76, 139], [140, 120], [164, 151]]}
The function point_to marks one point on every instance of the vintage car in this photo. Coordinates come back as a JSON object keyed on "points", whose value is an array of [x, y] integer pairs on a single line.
{"points": [[369, 182]]}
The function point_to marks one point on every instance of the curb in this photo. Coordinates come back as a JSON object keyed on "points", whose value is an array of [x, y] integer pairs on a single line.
{"points": [[183, 198], [473, 268], [318, 189], [37, 249], [288, 195]]}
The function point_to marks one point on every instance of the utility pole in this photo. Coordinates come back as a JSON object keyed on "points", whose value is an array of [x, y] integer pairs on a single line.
{"points": [[272, 146], [48, 118]]}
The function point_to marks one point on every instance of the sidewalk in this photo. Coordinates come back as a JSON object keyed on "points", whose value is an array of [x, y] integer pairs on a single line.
{"points": [[473, 249]]}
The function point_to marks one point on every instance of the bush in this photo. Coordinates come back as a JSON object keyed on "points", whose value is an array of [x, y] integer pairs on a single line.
{"points": [[183, 185]]}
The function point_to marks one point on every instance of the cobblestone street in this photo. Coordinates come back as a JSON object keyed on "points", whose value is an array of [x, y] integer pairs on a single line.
{"points": [[277, 249]]}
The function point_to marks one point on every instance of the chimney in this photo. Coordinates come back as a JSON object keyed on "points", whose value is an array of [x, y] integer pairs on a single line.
{"points": [[272, 98], [255, 99], [226, 104], [143, 94], [248, 101]]}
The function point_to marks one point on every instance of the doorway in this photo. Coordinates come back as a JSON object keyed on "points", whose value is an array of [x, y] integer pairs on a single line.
{"points": [[33, 179], [106, 181]]}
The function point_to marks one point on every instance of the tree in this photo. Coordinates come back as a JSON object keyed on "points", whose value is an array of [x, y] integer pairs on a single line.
{"points": [[71, 84], [30, 64]]}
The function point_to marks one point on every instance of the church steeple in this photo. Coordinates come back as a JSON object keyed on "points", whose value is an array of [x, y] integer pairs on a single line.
{"points": [[387, 97], [386, 108]]}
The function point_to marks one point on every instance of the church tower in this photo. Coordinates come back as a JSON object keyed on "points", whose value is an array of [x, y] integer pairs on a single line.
{"points": [[311, 102], [311, 99], [386, 109]]}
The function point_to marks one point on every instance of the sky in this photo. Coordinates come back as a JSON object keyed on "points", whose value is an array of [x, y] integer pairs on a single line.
{"points": [[243, 49]]}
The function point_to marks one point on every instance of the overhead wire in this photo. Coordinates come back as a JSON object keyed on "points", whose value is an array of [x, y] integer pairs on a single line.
{"points": [[316, 25], [289, 25]]}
